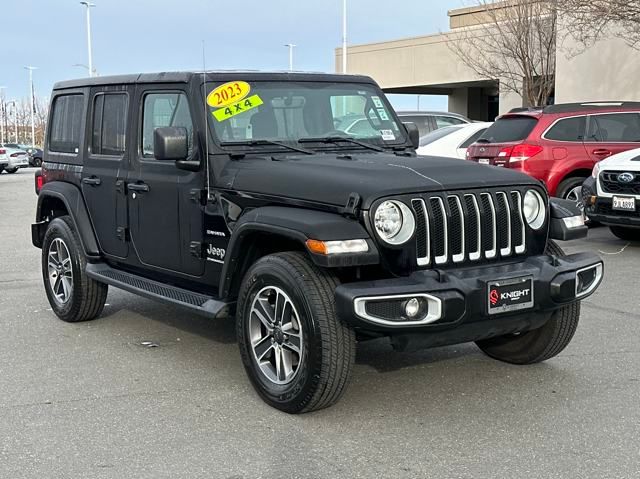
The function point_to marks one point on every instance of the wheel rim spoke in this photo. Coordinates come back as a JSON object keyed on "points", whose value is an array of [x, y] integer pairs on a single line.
{"points": [[275, 334], [60, 271]]}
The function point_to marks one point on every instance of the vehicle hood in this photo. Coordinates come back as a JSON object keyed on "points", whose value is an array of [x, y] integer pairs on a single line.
{"points": [[629, 160], [330, 178]]}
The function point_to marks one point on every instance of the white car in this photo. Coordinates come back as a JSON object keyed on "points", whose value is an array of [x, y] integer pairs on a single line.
{"points": [[451, 141], [612, 195], [13, 158]]}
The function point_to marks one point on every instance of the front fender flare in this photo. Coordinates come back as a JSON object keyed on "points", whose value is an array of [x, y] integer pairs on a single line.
{"points": [[299, 225]]}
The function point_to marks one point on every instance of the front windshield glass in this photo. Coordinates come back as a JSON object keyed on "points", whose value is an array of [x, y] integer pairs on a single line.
{"points": [[288, 112]]}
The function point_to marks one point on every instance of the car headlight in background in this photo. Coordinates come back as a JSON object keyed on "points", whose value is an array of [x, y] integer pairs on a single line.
{"points": [[394, 222], [596, 170], [533, 209]]}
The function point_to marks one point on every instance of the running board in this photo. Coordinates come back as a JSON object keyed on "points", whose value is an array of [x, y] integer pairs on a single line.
{"points": [[199, 303]]}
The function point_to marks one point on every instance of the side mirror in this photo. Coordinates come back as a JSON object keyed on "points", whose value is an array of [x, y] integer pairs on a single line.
{"points": [[170, 143], [414, 134]]}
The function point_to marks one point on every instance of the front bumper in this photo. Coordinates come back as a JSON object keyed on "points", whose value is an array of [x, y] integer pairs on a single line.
{"points": [[458, 300], [599, 208]]}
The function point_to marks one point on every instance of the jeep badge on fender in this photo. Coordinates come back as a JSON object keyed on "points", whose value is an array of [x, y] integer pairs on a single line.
{"points": [[247, 197]]}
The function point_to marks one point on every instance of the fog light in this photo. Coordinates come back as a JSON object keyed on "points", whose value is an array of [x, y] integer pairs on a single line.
{"points": [[588, 279], [412, 308]]}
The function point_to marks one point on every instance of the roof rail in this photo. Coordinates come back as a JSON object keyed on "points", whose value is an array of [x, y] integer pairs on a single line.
{"points": [[590, 105], [526, 108]]}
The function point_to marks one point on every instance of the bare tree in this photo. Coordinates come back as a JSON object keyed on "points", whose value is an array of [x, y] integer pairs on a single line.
{"points": [[589, 20], [515, 43]]}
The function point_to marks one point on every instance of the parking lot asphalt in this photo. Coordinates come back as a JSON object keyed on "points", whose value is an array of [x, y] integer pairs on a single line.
{"points": [[90, 400]]}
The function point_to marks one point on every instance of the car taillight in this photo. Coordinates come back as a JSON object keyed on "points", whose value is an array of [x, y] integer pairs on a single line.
{"points": [[524, 152], [2, 151], [40, 181]]}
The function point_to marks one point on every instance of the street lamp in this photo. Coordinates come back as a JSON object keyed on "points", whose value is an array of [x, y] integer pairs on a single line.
{"points": [[2, 113], [291, 46], [15, 119], [33, 105], [89, 5], [82, 65]]}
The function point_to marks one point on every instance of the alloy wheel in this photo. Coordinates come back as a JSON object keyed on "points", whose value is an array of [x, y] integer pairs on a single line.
{"points": [[60, 271], [275, 332]]}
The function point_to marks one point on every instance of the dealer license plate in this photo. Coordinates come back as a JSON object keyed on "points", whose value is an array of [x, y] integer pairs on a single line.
{"points": [[510, 295], [622, 203]]}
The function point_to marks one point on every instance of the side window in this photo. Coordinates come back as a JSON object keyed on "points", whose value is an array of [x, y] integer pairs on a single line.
{"points": [[569, 129], [66, 124], [164, 109], [472, 139], [109, 124], [421, 121], [443, 121], [615, 127]]}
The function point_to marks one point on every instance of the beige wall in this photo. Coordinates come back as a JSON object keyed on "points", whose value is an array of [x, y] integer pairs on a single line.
{"points": [[608, 70]]}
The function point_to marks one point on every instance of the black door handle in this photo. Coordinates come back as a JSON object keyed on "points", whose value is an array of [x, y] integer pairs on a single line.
{"points": [[139, 187], [92, 181]]}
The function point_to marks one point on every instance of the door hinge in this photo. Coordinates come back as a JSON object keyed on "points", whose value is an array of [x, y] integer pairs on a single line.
{"points": [[198, 196], [197, 249], [352, 206], [122, 233]]}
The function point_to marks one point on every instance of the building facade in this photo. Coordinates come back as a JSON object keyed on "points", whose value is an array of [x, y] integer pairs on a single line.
{"points": [[427, 65]]}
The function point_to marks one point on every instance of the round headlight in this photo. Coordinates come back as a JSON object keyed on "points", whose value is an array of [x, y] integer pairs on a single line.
{"points": [[533, 209], [394, 222]]}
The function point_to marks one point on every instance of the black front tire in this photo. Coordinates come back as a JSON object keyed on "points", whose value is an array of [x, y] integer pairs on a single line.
{"points": [[539, 344], [567, 186], [11, 171], [328, 351], [627, 234], [87, 298]]}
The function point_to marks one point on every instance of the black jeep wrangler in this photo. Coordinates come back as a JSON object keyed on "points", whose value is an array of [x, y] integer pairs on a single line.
{"points": [[241, 195]]}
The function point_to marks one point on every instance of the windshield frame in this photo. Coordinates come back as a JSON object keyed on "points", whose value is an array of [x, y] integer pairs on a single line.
{"points": [[226, 146]]}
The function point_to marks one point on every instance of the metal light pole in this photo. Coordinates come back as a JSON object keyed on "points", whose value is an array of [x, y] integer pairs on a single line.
{"points": [[15, 120], [291, 46], [344, 36], [2, 113], [33, 105], [89, 5]]}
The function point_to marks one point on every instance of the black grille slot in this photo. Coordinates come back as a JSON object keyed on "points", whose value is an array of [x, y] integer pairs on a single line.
{"points": [[503, 222], [422, 243], [488, 222], [456, 234], [517, 237], [472, 225], [438, 231], [391, 310]]}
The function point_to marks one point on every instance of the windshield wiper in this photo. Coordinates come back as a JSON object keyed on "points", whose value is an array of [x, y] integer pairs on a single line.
{"points": [[483, 140], [336, 139], [266, 142]]}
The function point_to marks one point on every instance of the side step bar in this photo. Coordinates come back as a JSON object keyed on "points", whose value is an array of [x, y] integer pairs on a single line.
{"points": [[199, 303]]}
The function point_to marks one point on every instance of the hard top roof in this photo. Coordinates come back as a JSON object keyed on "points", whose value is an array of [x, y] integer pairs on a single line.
{"points": [[213, 76]]}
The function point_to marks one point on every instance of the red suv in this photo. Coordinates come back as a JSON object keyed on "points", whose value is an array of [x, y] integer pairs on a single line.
{"points": [[559, 144]]}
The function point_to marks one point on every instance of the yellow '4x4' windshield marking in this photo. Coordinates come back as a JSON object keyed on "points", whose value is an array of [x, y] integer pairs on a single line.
{"points": [[240, 107]]}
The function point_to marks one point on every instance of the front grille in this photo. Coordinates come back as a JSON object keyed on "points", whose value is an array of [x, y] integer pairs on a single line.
{"points": [[603, 208], [610, 184], [462, 227]]}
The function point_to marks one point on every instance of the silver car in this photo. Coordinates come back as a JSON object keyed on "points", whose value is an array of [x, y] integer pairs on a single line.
{"points": [[12, 159]]}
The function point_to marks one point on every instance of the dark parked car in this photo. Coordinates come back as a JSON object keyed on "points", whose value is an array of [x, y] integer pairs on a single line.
{"points": [[427, 121], [231, 194]]}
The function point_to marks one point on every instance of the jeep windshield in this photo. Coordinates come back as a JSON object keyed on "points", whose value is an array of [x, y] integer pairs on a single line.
{"points": [[302, 114]]}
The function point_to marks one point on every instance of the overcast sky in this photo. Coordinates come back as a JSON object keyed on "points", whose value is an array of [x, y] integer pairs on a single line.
{"points": [[160, 35]]}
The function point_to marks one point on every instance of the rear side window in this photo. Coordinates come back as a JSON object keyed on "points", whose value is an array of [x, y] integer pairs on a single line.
{"points": [[66, 124], [510, 128], [437, 134], [473, 138], [568, 129], [422, 122], [442, 121], [615, 127], [109, 124]]}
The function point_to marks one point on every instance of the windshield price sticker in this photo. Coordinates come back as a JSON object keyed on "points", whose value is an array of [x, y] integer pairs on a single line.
{"points": [[235, 109], [387, 135], [228, 94]]}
